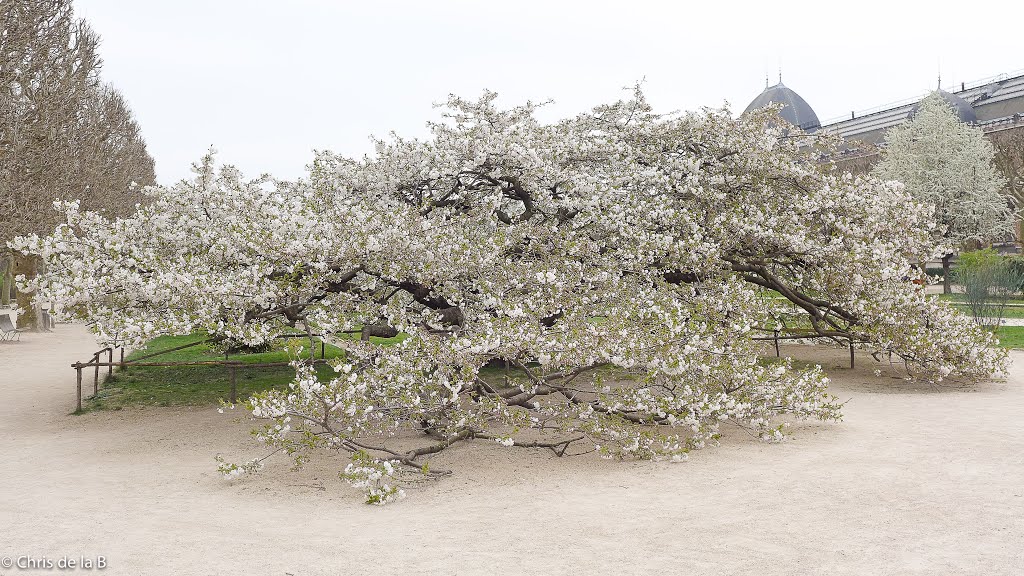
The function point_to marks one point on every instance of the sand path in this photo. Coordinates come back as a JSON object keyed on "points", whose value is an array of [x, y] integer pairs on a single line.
{"points": [[914, 481]]}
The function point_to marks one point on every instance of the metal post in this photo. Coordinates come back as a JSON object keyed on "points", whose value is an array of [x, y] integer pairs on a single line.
{"points": [[851, 352], [777, 354], [234, 395], [78, 368], [96, 376]]}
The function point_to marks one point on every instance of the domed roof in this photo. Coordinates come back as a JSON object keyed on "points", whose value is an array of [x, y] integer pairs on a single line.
{"points": [[795, 109], [962, 108]]}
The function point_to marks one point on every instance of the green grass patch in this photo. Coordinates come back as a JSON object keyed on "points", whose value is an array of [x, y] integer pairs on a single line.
{"points": [[1008, 312], [1014, 307], [1011, 336], [198, 385], [957, 298]]}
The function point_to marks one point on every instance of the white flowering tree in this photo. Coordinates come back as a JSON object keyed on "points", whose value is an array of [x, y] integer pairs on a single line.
{"points": [[949, 165], [619, 267]]}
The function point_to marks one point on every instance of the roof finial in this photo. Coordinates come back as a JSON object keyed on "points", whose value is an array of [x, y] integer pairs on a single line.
{"points": [[766, 81], [780, 74], [940, 80]]}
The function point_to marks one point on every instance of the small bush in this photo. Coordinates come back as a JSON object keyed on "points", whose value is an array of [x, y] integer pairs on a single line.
{"points": [[989, 281], [1016, 264], [977, 259]]}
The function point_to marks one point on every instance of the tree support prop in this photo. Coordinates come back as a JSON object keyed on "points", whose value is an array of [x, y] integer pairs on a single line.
{"points": [[78, 368]]}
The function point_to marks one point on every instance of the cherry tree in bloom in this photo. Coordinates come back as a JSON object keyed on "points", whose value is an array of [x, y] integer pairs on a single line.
{"points": [[620, 264]]}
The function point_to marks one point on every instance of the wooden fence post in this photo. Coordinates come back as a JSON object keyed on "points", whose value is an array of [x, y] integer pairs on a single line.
{"points": [[110, 368], [234, 379], [777, 354], [78, 368], [323, 353], [96, 376], [122, 360]]}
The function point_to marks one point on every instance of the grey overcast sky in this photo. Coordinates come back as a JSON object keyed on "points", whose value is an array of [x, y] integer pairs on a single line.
{"points": [[267, 82]]}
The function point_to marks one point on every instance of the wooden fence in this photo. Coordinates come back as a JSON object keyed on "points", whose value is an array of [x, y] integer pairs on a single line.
{"points": [[232, 366], [778, 335]]}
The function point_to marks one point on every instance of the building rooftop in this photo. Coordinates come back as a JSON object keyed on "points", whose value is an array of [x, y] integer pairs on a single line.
{"points": [[795, 109], [962, 108], [991, 100]]}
